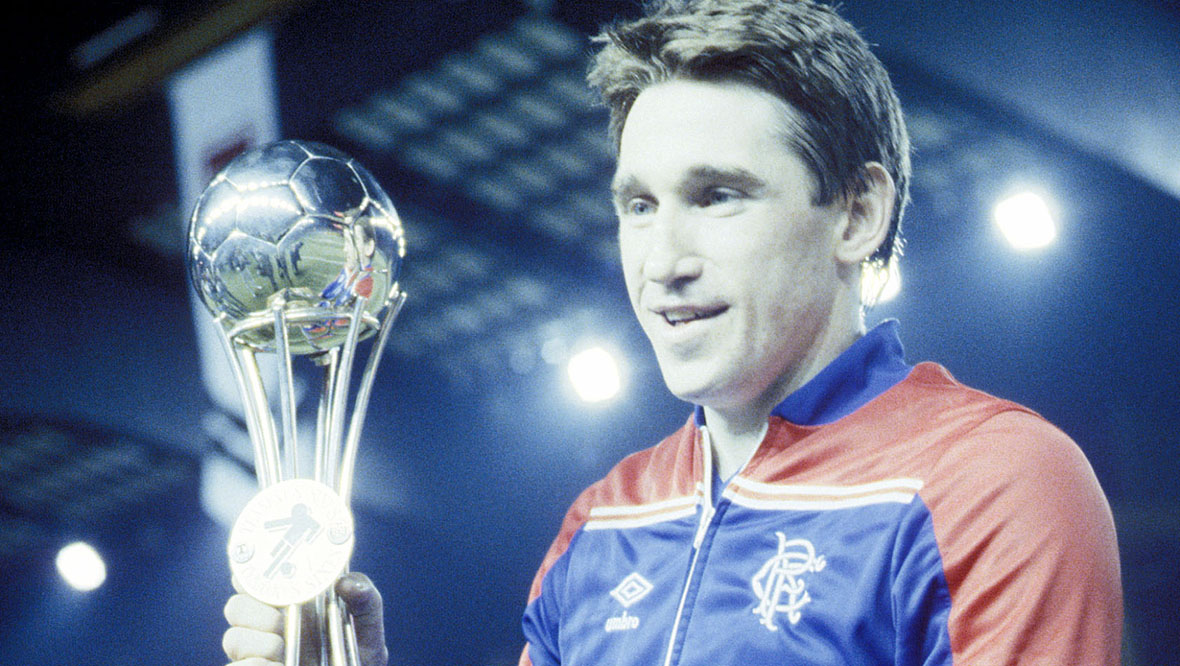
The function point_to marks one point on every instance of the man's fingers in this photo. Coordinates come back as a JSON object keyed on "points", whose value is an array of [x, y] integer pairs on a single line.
{"points": [[245, 611], [240, 644], [255, 635], [361, 595], [364, 604]]}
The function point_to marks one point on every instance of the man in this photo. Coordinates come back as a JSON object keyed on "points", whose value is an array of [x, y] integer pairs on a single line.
{"points": [[826, 503]]}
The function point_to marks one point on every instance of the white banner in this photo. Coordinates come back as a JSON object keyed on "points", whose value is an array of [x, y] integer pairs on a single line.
{"points": [[221, 105]]}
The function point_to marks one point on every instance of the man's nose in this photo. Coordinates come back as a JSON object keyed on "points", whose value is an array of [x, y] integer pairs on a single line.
{"points": [[672, 258]]}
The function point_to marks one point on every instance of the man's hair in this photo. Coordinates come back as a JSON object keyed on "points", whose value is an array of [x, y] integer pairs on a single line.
{"points": [[799, 50]]}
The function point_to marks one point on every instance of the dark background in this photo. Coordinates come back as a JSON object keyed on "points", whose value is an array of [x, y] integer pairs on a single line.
{"points": [[475, 444]]}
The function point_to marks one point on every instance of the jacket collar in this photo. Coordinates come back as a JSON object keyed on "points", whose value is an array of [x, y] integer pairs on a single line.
{"points": [[868, 368]]}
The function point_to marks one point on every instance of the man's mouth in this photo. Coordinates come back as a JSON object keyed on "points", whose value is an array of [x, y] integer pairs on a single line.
{"points": [[685, 315]]}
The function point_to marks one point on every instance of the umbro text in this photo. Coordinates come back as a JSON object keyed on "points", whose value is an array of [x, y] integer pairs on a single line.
{"points": [[623, 622]]}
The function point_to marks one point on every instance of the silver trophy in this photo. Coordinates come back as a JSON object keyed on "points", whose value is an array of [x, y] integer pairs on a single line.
{"points": [[295, 249]]}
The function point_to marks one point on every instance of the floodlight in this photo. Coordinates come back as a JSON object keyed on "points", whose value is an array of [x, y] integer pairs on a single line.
{"points": [[81, 566], [594, 373], [1025, 220]]}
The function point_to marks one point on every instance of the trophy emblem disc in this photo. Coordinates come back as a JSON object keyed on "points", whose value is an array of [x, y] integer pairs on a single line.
{"points": [[291, 542]]}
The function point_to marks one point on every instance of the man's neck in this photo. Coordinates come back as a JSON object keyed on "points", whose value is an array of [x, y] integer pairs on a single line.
{"points": [[736, 432], [733, 441]]}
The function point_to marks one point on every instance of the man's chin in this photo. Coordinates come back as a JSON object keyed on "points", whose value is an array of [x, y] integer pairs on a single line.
{"points": [[689, 386]]}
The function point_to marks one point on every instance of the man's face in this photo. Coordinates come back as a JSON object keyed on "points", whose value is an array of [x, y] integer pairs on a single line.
{"points": [[728, 265]]}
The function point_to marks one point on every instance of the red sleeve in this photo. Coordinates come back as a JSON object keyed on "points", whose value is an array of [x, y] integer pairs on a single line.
{"points": [[1028, 547], [575, 517], [539, 618]]}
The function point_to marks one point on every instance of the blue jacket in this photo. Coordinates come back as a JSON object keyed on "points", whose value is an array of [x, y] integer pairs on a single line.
{"points": [[911, 521]]}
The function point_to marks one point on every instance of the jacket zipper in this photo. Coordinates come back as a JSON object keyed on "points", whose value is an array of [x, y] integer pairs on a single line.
{"points": [[707, 513]]}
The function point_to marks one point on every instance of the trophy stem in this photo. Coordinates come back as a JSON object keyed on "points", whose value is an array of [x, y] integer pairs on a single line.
{"points": [[361, 406], [335, 455], [336, 639], [259, 423], [352, 649], [321, 618], [330, 361], [290, 450], [340, 395], [266, 448], [292, 635]]}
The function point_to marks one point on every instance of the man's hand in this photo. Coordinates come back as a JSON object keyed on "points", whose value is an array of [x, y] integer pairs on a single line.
{"points": [[363, 601], [255, 636]]}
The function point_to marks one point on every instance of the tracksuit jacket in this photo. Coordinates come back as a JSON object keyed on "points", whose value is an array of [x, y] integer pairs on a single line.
{"points": [[890, 516]]}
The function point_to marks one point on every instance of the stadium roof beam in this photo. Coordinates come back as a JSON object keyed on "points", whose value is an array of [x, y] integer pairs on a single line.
{"points": [[123, 79]]}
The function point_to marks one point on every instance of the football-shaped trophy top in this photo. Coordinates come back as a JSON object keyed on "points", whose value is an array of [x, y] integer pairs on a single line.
{"points": [[299, 226]]}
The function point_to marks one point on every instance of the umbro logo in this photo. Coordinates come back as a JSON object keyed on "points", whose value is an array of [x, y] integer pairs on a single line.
{"points": [[632, 589]]}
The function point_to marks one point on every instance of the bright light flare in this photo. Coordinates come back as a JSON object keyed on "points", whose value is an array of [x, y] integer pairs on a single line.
{"points": [[1026, 221], [81, 566], [595, 375], [879, 284]]}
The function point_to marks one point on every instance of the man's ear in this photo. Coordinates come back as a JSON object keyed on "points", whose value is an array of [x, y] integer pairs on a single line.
{"points": [[869, 217]]}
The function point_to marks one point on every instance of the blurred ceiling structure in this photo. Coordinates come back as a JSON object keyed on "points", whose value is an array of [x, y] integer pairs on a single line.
{"points": [[474, 116]]}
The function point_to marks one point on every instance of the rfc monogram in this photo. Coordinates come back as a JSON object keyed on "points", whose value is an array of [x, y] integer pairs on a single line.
{"points": [[778, 585]]}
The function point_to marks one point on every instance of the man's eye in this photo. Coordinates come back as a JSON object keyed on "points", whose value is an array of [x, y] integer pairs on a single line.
{"points": [[639, 207], [720, 195]]}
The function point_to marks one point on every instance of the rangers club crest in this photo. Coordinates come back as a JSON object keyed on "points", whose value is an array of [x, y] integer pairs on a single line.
{"points": [[779, 585]]}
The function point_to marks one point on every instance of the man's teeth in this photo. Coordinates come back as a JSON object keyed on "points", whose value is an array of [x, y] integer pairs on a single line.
{"points": [[682, 316]]}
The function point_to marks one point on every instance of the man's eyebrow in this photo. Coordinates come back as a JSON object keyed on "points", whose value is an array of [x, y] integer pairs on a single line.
{"points": [[626, 186], [735, 177], [623, 187], [621, 183]]}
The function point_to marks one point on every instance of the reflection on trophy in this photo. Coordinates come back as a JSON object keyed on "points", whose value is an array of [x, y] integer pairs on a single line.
{"points": [[295, 249]]}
